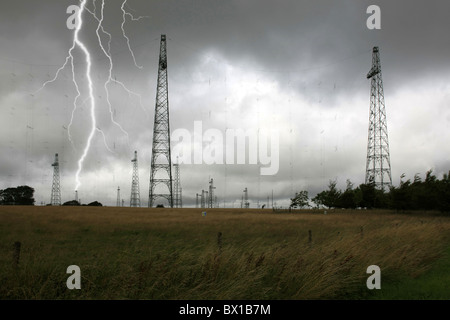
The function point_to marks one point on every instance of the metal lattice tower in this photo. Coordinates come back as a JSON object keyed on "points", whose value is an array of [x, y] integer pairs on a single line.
{"points": [[177, 187], [246, 203], [135, 199], [118, 197], [161, 165], [56, 186], [378, 165], [203, 199], [196, 200], [211, 194]]}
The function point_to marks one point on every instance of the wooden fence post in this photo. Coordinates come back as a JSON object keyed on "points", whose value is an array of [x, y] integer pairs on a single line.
{"points": [[16, 253], [219, 240]]}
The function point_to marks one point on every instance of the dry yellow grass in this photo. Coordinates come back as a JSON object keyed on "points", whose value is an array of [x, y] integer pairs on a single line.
{"points": [[142, 253]]}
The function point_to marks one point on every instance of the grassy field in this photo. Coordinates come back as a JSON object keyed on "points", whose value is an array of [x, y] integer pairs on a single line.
{"points": [[141, 253]]}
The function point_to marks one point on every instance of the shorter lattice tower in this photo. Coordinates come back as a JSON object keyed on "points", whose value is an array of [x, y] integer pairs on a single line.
{"points": [[118, 197], [246, 203], [177, 200], [135, 200], [56, 186], [211, 194], [203, 198]]}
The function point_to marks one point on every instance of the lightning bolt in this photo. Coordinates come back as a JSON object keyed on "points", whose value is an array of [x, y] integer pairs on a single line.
{"points": [[70, 60], [91, 93], [76, 42], [108, 55], [104, 140], [124, 16]]}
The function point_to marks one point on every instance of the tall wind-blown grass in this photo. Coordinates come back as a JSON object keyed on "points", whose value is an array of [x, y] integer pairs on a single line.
{"points": [[127, 253]]}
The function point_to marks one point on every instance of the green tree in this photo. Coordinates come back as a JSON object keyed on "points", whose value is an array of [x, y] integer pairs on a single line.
{"points": [[401, 196], [368, 195], [71, 203], [444, 193], [300, 200], [7, 197], [328, 198], [22, 195], [348, 198]]}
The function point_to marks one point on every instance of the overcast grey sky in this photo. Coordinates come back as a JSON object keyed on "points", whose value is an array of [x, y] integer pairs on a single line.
{"points": [[295, 66]]}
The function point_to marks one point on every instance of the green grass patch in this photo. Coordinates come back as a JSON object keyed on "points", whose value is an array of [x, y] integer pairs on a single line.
{"points": [[433, 284]]}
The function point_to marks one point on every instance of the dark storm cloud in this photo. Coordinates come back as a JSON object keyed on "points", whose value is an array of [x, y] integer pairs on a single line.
{"points": [[288, 38], [315, 39], [301, 63], [296, 42]]}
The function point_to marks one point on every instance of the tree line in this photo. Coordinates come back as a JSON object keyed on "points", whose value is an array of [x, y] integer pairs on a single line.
{"points": [[428, 194], [24, 196], [20, 196]]}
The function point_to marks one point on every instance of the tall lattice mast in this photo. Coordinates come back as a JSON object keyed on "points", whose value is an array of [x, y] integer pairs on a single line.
{"points": [[56, 186], [161, 165], [177, 187], [135, 199], [378, 165]]}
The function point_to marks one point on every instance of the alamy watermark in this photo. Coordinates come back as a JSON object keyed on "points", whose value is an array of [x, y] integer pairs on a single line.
{"points": [[374, 281], [74, 281], [235, 146], [374, 21]]}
